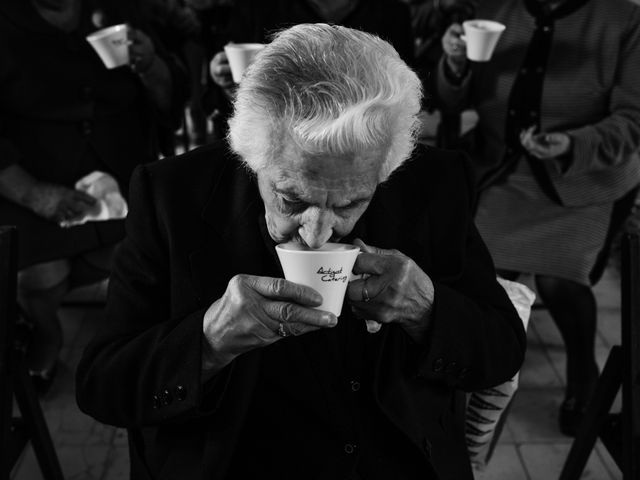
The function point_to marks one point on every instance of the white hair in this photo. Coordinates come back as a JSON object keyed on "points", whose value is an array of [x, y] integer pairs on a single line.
{"points": [[330, 89]]}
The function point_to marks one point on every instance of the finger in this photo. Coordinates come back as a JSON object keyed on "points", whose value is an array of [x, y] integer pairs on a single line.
{"points": [[300, 317], [371, 249], [455, 29], [84, 197], [370, 263], [282, 289]]}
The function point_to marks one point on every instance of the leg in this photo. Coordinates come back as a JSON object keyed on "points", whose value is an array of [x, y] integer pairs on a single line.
{"points": [[40, 291], [91, 267], [573, 308]]}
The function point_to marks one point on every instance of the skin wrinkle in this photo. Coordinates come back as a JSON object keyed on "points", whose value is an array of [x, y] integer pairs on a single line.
{"points": [[324, 184]]}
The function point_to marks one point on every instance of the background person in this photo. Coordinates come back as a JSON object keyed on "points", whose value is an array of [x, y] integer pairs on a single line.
{"points": [[558, 139], [62, 116]]}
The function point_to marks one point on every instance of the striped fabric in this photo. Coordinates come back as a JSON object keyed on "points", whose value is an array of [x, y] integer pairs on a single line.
{"points": [[526, 232], [591, 91]]}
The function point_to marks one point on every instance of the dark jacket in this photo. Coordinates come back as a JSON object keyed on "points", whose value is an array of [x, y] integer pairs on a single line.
{"points": [[193, 225]]}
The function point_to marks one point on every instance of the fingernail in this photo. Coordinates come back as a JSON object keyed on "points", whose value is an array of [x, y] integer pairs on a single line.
{"points": [[331, 320]]}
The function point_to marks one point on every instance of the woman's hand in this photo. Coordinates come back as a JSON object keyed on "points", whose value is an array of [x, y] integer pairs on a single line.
{"points": [[545, 145], [255, 312], [455, 49], [395, 290], [59, 203], [221, 73]]}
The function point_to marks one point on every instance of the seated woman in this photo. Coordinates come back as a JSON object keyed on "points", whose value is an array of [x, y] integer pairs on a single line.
{"points": [[221, 368], [558, 142], [63, 114]]}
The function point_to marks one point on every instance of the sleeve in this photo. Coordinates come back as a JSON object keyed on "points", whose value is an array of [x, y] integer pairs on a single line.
{"points": [[453, 95], [612, 140], [144, 368], [476, 337]]}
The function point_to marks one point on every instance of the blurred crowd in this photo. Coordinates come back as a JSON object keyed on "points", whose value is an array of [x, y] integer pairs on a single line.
{"points": [[555, 165]]}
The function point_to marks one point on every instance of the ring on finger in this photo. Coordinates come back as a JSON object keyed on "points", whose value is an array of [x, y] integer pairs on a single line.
{"points": [[281, 331], [365, 294]]}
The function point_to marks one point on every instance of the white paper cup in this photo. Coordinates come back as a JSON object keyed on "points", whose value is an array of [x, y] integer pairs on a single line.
{"points": [[326, 270], [240, 56], [481, 37], [112, 45]]}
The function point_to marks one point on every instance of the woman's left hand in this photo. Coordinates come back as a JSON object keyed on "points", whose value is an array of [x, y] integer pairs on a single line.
{"points": [[395, 290], [142, 53], [545, 145]]}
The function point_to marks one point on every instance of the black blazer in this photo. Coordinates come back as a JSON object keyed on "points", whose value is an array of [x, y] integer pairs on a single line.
{"points": [[193, 225]]}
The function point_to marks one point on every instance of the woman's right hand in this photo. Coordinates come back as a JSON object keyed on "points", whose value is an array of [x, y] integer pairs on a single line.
{"points": [[59, 203], [255, 312], [455, 48]]}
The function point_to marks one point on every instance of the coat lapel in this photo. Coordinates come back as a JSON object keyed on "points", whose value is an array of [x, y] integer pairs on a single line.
{"points": [[231, 241]]}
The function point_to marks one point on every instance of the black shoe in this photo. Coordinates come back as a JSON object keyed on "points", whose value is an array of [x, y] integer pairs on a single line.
{"points": [[571, 414]]}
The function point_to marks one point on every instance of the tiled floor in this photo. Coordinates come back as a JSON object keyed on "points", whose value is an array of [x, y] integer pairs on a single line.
{"points": [[530, 447]]}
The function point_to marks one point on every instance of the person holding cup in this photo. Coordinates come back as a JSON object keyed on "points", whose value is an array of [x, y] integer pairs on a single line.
{"points": [[221, 368], [251, 21], [557, 145], [63, 115]]}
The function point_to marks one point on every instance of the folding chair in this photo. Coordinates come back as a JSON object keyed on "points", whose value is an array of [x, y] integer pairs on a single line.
{"points": [[16, 432], [620, 432]]}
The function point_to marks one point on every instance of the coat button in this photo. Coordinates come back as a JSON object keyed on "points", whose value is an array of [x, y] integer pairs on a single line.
{"points": [[355, 385], [166, 398], [438, 365], [156, 402], [181, 393], [349, 448]]}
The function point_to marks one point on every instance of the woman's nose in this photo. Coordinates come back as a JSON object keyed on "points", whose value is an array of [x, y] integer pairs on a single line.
{"points": [[316, 230]]}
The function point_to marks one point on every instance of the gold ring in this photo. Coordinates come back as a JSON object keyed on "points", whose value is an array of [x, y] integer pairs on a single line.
{"points": [[365, 294], [281, 331]]}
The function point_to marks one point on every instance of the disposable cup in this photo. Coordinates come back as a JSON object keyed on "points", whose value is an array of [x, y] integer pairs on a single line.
{"points": [[112, 45], [481, 37], [240, 56], [327, 270]]}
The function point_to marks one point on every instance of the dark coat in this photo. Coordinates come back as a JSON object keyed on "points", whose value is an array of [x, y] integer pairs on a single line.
{"points": [[193, 225]]}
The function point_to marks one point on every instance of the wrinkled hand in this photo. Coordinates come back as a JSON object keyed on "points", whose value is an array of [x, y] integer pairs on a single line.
{"points": [[545, 145], [455, 48], [395, 290], [251, 310], [59, 203], [142, 53]]}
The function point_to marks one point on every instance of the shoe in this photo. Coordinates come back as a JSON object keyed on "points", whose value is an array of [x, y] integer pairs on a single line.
{"points": [[43, 379], [571, 414]]}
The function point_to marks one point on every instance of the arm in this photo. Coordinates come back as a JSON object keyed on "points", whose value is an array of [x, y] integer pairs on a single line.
{"points": [[459, 324], [616, 137], [133, 360], [453, 73], [147, 367]]}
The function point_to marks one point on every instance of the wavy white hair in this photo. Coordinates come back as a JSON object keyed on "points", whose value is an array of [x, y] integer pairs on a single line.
{"points": [[332, 90]]}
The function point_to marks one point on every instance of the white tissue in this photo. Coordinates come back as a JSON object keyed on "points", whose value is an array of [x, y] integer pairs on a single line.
{"points": [[110, 204]]}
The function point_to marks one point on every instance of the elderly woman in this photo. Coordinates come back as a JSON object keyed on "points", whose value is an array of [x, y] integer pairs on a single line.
{"points": [[220, 368], [558, 138]]}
